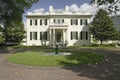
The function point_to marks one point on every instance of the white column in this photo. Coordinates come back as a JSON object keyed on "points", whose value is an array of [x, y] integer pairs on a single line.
{"points": [[50, 36], [63, 35], [53, 35]]}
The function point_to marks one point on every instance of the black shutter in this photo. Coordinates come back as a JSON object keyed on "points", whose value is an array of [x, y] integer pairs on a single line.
{"points": [[71, 36], [76, 22], [35, 22], [30, 22], [81, 35], [40, 35], [71, 22], [40, 22], [77, 35], [45, 21], [45, 35], [86, 22], [86, 35], [30, 35], [62, 20], [80, 21]]}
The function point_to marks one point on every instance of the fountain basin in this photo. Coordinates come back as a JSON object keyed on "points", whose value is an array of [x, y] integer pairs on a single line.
{"points": [[59, 53]]}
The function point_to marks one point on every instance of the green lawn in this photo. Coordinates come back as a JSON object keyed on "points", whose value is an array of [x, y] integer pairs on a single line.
{"points": [[36, 58]]}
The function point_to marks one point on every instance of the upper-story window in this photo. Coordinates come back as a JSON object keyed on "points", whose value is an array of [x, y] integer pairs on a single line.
{"points": [[43, 21], [36, 22], [33, 22], [74, 21], [83, 22], [30, 22], [86, 22], [58, 21]]}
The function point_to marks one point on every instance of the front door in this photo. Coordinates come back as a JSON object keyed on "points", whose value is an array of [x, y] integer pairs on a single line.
{"points": [[58, 37]]}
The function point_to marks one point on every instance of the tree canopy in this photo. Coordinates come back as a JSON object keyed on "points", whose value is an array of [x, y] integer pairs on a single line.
{"points": [[12, 10], [103, 27], [113, 5]]}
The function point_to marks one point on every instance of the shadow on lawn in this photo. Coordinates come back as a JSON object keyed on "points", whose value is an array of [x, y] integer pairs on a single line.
{"points": [[108, 70]]}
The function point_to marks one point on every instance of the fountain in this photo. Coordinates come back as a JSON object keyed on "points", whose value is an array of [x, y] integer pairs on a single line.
{"points": [[57, 53], [56, 48]]}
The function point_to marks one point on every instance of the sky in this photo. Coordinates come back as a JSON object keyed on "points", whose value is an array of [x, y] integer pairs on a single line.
{"points": [[75, 5], [58, 4]]}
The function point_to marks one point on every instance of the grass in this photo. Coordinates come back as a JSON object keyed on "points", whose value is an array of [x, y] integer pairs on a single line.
{"points": [[36, 58]]}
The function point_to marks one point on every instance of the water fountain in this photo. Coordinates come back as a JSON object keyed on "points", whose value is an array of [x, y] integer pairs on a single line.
{"points": [[57, 53]]}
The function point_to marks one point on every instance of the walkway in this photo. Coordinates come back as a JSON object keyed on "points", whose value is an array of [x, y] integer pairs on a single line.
{"points": [[108, 70]]}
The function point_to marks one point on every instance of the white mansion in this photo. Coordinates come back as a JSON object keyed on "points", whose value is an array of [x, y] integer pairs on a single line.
{"points": [[62, 27]]}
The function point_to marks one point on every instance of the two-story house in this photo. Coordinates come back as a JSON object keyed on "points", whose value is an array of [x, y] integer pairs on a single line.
{"points": [[63, 27]]}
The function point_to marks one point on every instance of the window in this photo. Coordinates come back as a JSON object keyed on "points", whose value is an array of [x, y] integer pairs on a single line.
{"points": [[40, 22], [62, 20], [43, 35], [33, 35], [74, 22], [81, 21], [58, 21], [74, 35], [35, 22], [86, 22], [30, 22], [84, 35], [45, 21]]}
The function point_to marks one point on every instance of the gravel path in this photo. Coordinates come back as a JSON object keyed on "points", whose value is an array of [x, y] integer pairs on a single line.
{"points": [[108, 70]]}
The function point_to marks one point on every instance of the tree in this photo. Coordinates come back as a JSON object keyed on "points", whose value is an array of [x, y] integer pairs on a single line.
{"points": [[12, 10], [112, 5], [11, 17], [14, 33], [103, 27]]}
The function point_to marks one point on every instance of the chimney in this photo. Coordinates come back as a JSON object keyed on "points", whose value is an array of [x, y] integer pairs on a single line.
{"points": [[67, 8], [51, 8]]}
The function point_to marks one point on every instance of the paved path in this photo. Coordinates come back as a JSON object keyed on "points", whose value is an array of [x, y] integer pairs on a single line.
{"points": [[108, 70]]}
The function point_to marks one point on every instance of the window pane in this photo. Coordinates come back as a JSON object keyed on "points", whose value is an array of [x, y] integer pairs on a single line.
{"points": [[35, 35], [76, 22], [45, 36], [77, 35], [30, 22], [35, 22], [45, 21]]}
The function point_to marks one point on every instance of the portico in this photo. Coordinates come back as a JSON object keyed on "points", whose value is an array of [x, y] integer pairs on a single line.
{"points": [[58, 35]]}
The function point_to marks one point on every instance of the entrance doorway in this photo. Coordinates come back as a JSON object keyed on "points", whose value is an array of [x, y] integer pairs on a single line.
{"points": [[58, 37]]}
